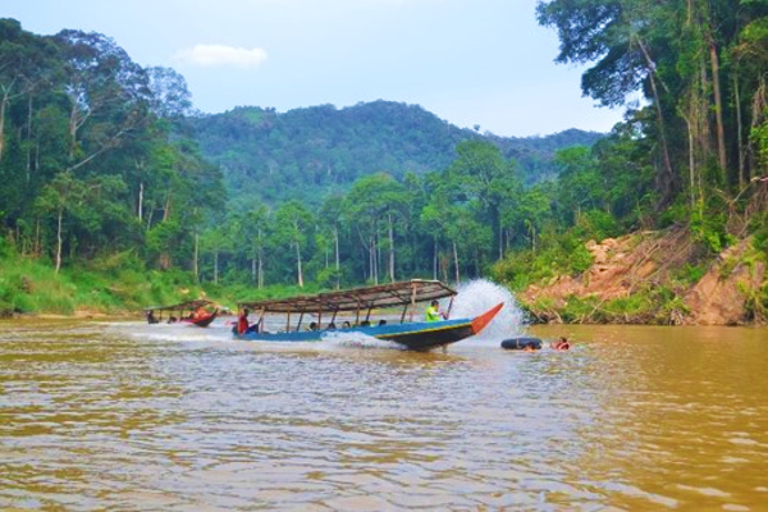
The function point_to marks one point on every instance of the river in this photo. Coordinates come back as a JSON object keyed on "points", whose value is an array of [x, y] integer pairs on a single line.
{"points": [[100, 415]]}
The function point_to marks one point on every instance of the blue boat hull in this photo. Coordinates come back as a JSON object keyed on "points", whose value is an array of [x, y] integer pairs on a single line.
{"points": [[413, 335]]}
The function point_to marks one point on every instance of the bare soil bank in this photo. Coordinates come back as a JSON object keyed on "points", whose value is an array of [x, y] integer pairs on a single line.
{"points": [[659, 277]]}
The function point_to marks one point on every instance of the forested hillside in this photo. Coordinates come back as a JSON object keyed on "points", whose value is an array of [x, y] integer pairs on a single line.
{"points": [[104, 181], [96, 168], [263, 153], [105, 171]]}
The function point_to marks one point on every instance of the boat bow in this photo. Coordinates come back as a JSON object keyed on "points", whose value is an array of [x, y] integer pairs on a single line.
{"points": [[480, 322]]}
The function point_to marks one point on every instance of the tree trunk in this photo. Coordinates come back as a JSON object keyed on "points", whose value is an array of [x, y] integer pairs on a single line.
{"points": [[261, 263], [456, 262], [434, 260], [3, 106], [501, 241], [391, 251], [739, 129], [691, 162], [196, 263], [59, 240], [167, 207], [377, 256], [666, 176], [704, 128], [141, 201], [37, 238], [374, 266], [715, 63], [338, 263], [216, 266], [298, 265], [73, 126], [29, 138], [261, 272]]}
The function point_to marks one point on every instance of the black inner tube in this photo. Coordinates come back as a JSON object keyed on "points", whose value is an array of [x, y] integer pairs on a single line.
{"points": [[521, 343]]}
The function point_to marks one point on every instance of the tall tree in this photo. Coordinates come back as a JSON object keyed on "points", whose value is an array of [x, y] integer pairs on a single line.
{"points": [[620, 36], [292, 221], [105, 88]]}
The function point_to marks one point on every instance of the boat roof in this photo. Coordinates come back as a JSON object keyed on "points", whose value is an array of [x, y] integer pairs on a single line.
{"points": [[191, 304], [381, 296]]}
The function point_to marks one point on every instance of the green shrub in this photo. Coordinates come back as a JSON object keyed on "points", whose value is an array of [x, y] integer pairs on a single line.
{"points": [[708, 224], [597, 224], [564, 254], [691, 274]]}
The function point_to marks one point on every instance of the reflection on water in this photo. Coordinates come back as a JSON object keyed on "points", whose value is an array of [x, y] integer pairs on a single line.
{"points": [[126, 416]]}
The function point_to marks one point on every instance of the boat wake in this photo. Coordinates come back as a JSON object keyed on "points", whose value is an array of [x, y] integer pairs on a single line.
{"points": [[358, 340]]}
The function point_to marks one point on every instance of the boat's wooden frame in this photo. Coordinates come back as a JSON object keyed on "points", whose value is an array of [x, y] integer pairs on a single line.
{"points": [[362, 301], [182, 307]]}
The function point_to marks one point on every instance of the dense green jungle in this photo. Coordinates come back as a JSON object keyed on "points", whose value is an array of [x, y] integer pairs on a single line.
{"points": [[118, 194]]}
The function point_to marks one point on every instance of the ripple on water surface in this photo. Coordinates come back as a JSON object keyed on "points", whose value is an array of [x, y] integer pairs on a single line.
{"points": [[126, 416]]}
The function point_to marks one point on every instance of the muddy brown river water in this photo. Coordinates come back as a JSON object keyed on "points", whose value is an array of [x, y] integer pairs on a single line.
{"points": [[101, 415]]}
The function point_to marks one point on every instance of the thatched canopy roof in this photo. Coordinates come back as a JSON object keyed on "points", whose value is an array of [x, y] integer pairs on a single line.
{"points": [[382, 296], [183, 306]]}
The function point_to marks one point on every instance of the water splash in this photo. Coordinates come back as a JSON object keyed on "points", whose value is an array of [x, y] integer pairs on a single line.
{"points": [[357, 340], [478, 296]]}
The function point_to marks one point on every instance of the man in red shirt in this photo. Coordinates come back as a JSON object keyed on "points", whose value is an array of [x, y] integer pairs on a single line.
{"points": [[242, 322]]}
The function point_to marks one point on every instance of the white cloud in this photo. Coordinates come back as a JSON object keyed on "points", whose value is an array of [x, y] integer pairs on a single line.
{"points": [[208, 55]]}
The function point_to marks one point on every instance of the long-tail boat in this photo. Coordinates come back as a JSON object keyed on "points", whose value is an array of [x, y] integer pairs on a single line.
{"points": [[185, 311], [324, 307]]}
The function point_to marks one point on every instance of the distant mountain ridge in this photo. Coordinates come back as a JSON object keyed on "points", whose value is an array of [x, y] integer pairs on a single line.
{"points": [[308, 152]]}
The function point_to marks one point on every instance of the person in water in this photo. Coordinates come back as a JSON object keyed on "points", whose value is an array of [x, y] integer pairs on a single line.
{"points": [[151, 318], [433, 313], [562, 344]]}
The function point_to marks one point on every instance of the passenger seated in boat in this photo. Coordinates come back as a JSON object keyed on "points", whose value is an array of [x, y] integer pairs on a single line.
{"points": [[382, 322], [365, 323], [242, 322], [433, 313], [331, 326], [313, 326], [172, 319], [346, 325], [562, 344], [200, 312], [151, 318]]}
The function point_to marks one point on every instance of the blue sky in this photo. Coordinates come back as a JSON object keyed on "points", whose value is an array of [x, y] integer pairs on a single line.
{"points": [[480, 62]]}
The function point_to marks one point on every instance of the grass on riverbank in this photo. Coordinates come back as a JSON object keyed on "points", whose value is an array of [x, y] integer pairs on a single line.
{"points": [[114, 285], [110, 286]]}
